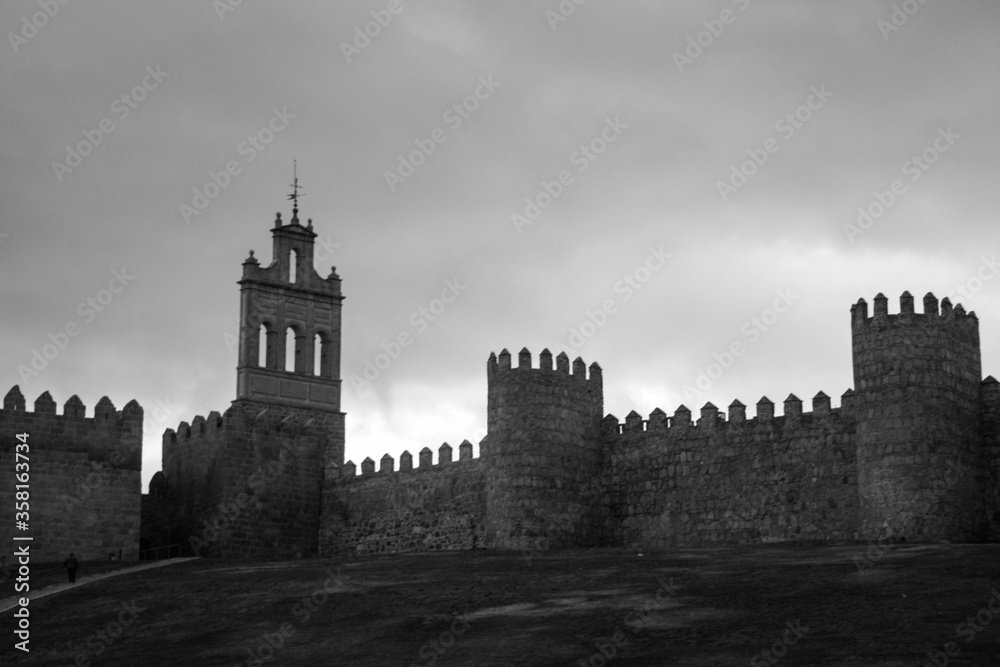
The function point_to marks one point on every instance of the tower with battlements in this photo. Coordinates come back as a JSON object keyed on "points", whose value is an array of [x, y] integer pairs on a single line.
{"points": [[920, 461]]}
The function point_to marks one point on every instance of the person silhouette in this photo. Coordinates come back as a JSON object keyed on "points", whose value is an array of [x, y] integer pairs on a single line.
{"points": [[71, 566]]}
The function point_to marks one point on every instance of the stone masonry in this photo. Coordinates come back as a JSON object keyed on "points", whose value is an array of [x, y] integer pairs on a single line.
{"points": [[911, 453], [84, 477]]}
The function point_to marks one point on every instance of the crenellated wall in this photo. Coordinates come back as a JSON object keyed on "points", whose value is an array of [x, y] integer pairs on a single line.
{"points": [[249, 483], [921, 463], [542, 451], [84, 477], [433, 507], [674, 482]]}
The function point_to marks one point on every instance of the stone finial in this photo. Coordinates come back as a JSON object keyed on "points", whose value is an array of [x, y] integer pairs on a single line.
{"points": [[579, 368], [183, 429], [737, 412], [989, 379], [821, 404], [367, 466], [387, 464], [349, 470], [44, 405], [959, 310], [426, 457], [405, 461], [930, 304], [609, 426], [524, 359], [14, 400], [444, 454], [881, 306], [946, 307], [504, 360], [74, 408], [545, 360], [465, 451], [793, 406], [682, 416], [657, 420], [905, 303], [491, 364], [633, 423], [765, 409], [562, 362]]}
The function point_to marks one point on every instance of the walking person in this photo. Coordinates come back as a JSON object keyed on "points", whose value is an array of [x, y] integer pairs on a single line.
{"points": [[71, 566]]}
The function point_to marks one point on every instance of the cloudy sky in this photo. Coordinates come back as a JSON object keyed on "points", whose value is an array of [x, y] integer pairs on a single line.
{"points": [[643, 184]]}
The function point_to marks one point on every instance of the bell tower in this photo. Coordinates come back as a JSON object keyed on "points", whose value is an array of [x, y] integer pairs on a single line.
{"points": [[289, 343]]}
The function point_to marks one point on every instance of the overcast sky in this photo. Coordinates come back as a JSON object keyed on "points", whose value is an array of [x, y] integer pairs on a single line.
{"points": [[694, 165]]}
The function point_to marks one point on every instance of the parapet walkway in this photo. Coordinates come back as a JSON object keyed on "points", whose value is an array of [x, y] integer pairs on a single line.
{"points": [[11, 602]]}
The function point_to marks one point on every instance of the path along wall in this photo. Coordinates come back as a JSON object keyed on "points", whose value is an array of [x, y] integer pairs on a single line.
{"points": [[671, 482], [83, 477], [429, 508]]}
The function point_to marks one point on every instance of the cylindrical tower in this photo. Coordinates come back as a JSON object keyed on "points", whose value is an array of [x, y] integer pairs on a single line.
{"points": [[542, 452], [917, 380]]}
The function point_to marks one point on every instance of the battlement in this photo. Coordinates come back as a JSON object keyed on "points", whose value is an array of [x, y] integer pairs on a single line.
{"points": [[906, 315], [497, 366], [425, 461], [199, 427], [112, 435], [713, 418]]}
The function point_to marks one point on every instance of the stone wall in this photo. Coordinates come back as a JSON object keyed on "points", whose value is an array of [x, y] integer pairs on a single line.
{"points": [[430, 508], [249, 483], [672, 482], [990, 430], [543, 451], [84, 477], [920, 458]]}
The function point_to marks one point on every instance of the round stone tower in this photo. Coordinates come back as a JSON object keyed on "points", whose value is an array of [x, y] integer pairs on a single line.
{"points": [[542, 452], [916, 378]]}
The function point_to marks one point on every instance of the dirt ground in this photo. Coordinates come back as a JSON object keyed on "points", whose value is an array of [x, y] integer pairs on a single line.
{"points": [[760, 605]]}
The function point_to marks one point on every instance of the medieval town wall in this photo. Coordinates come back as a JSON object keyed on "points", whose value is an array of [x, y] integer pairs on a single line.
{"points": [[84, 477], [674, 482], [431, 507]]}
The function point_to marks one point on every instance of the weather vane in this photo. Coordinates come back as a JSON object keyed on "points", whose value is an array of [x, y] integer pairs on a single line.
{"points": [[295, 190]]}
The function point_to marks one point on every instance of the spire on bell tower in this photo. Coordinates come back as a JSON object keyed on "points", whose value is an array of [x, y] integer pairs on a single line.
{"points": [[295, 193]]}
